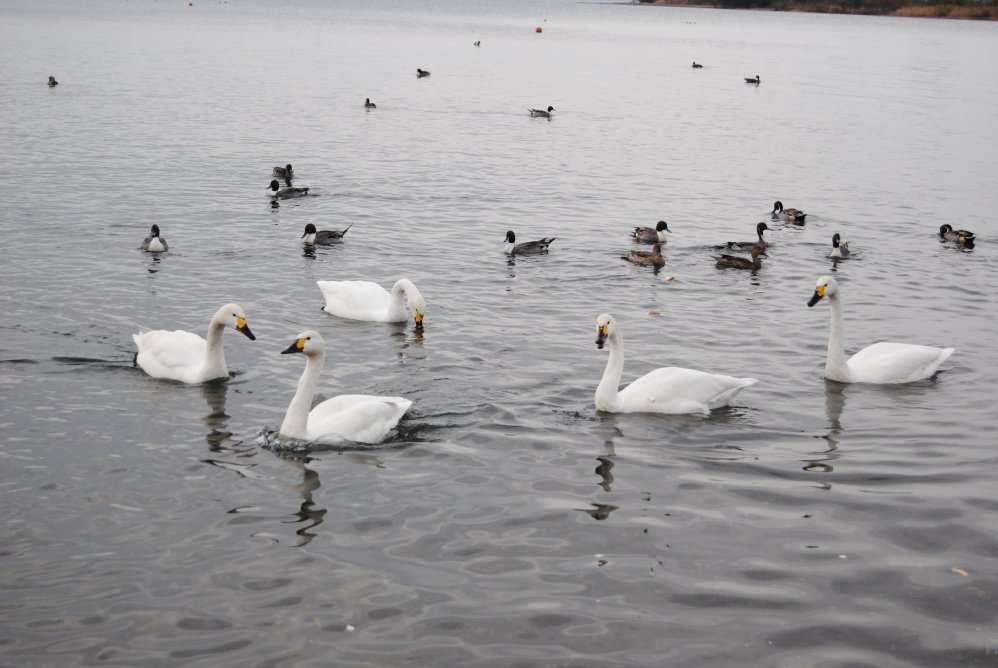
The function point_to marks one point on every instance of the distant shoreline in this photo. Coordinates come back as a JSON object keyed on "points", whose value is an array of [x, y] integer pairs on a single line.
{"points": [[985, 11]]}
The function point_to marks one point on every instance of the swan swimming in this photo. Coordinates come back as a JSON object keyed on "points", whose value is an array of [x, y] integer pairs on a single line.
{"points": [[185, 356], [366, 300], [665, 390], [883, 362], [360, 418]]}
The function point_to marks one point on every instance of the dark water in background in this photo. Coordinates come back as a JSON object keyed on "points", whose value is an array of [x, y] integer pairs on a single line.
{"points": [[811, 524]]}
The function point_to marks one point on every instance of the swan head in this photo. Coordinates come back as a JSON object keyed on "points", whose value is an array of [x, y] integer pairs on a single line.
{"points": [[604, 324], [510, 237], [825, 287], [777, 206], [231, 315], [154, 232], [416, 302], [307, 343], [274, 185], [662, 225]]}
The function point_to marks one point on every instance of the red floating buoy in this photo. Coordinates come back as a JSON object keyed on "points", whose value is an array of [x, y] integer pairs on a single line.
{"points": [[538, 29]]}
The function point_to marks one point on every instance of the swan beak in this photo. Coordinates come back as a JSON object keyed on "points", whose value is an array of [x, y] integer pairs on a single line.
{"points": [[819, 292], [601, 336], [244, 328], [419, 321], [295, 347]]}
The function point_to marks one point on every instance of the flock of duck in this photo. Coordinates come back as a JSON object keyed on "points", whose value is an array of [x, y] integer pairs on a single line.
{"points": [[186, 357]]}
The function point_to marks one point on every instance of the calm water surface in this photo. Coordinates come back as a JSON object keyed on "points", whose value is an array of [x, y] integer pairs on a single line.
{"points": [[507, 523]]}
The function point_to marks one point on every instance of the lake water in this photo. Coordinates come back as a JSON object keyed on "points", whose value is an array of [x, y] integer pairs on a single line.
{"points": [[506, 523]]}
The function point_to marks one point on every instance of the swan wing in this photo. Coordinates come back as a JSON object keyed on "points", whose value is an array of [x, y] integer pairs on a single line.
{"points": [[178, 355], [888, 362], [678, 390], [357, 300], [360, 418]]}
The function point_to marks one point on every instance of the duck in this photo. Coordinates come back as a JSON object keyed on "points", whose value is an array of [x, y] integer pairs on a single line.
{"points": [[368, 104], [52, 81], [154, 243], [756, 80], [358, 418], [666, 390], [541, 113], [696, 65], [884, 362], [478, 42], [185, 356], [366, 300], [527, 247], [746, 245], [652, 235], [285, 172], [285, 193], [323, 237], [789, 215], [962, 237], [839, 248], [421, 73], [643, 258], [738, 262]]}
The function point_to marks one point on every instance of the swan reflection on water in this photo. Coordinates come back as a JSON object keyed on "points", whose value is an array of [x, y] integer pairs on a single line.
{"points": [[217, 420], [835, 403], [308, 513]]}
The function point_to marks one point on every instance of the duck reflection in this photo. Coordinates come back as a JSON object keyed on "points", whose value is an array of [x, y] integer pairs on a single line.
{"points": [[599, 511], [605, 472], [308, 513], [835, 402], [217, 420], [308, 251]]}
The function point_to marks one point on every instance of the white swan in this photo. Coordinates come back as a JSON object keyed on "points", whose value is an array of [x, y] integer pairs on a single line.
{"points": [[365, 300], [360, 418], [882, 362], [185, 356], [665, 390]]}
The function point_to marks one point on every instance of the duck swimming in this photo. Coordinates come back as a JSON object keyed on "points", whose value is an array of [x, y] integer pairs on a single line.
{"points": [[368, 104], [185, 356], [52, 81], [756, 80], [366, 300], [745, 245], [962, 237], [839, 248], [696, 65], [286, 193], [323, 237], [643, 258], [652, 235], [359, 418], [789, 215], [883, 362], [154, 243], [421, 73], [541, 113], [285, 172], [738, 262], [527, 247], [664, 390]]}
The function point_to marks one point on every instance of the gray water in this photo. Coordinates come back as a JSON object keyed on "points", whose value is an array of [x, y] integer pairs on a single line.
{"points": [[506, 522]]}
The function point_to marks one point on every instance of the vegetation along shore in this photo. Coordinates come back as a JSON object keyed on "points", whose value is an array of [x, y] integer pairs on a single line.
{"points": [[958, 9]]}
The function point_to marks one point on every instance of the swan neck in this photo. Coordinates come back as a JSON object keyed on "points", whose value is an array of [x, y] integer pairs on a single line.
{"points": [[836, 366], [214, 362], [396, 309], [607, 395], [295, 423]]}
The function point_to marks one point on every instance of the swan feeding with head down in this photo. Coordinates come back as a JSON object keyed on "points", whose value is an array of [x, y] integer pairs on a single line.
{"points": [[883, 362], [359, 418], [365, 300], [185, 356], [665, 390]]}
